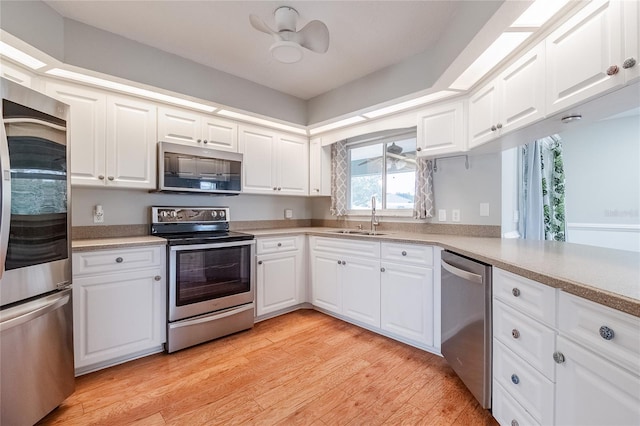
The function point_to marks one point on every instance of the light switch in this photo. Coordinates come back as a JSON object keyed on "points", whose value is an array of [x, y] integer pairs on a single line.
{"points": [[288, 213], [484, 209], [442, 215]]}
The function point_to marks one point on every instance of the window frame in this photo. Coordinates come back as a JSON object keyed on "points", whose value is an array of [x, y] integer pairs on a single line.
{"points": [[386, 138]]}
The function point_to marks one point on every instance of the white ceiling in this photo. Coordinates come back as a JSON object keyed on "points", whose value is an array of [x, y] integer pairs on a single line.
{"points": [[366, 36]]}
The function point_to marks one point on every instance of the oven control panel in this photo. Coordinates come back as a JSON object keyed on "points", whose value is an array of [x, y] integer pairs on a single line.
{"points": [[189, 214]]}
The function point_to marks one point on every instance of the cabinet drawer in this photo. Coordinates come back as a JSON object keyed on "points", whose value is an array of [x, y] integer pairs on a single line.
{"points": [[527, 386], [278, 244], [582, 321], [344, 246], [526, 337], [100, 261], [415, 254], [525, 295], [507, 411]]}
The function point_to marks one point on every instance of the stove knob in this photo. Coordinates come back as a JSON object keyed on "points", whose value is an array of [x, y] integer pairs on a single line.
{"points": [[174, 213], [214, 214], [222, 214], [164, 213]]}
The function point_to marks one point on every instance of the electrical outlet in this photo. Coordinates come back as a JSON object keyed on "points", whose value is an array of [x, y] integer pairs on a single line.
{"points": [[98, 214], [288, 213], [455, 215], [442, 215], [484, 209]]}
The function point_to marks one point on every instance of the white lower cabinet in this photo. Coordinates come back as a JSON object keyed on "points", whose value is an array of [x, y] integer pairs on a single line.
{"points": [[119, 305], [360, 281], [280, 273]]}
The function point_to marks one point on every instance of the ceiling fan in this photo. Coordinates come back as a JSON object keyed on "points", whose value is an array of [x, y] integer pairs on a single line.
{"points": [[288, 44], [397, 160]]}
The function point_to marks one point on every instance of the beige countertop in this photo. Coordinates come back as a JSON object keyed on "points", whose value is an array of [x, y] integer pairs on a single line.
{"points": [[606, 276]]}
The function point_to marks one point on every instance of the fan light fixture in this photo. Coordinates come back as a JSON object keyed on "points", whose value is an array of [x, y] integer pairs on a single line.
{"points": [[286, 52]]}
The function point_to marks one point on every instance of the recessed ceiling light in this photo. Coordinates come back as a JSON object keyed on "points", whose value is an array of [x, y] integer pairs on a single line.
{"points": [[261, 121], [19, 56], [337, 124], [409, 104], [539, 13], [75, 76], [499, 49]]}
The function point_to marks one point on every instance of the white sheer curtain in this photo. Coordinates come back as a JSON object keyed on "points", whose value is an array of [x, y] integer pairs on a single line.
{"points": [[339, 175], [423, 200]]}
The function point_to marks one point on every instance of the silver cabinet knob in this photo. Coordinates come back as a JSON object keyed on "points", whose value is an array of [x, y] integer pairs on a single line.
{"points": [[157, 278], [382, 269], [259, 262], [275, 188], [515, 291], [404, 253], [344, 263], [199, 140], [606, 333], [629, 63], [515, 379], [279, 244], [205, 141], [279, 189], [339, 262], [558, 357], [613, 70], [515, 333], [499, 125], [494, 128], [419, 149], [119, 260], [101, 177], [110, 178], [514, 422]]}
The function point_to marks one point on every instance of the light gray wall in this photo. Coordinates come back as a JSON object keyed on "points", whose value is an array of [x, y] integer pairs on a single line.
{"points": [[131, 207], [602, 171]]}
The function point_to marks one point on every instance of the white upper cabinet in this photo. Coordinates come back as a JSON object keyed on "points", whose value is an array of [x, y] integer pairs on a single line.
{"points": [[512, 100], [631, 52], [319, 168], [273, 163], [182, 126], [16, 74], [441, 129], [582, 53]]}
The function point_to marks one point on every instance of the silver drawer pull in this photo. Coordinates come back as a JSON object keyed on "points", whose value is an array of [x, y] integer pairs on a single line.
{"points": [[606, 333], [514, 422], [157, 278], [259, 262], [382, 269], [279, 244], [515, 291], [515, 333], [119, 260], [515, 379], [404, 253], [558, 357]]}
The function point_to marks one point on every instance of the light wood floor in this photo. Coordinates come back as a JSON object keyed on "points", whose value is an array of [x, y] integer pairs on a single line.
{"points": [[302, 368]]}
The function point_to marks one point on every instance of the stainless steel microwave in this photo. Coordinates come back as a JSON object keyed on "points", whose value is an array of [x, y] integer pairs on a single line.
{"points": [[183, 168]]}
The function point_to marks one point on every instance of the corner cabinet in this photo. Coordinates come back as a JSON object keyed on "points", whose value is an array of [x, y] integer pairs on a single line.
{"points": [[112, 138], [319, 168], [441, 130], [190, 128], [281, 274], [273, 162], [119, 305]]}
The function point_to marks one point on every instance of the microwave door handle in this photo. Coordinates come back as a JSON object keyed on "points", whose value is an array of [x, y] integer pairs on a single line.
{"points": [[5, 198]]}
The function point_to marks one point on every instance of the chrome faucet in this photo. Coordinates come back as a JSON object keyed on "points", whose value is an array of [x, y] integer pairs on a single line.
{"points": [[374, 219]]}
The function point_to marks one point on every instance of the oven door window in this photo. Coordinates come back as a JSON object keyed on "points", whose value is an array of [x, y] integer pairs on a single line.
{"points": [[212, 273], [38, 232]]}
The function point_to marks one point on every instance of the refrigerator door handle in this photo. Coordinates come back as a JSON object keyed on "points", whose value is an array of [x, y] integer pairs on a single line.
{"points": [[469, 276], [5, 199], [40, 309]]}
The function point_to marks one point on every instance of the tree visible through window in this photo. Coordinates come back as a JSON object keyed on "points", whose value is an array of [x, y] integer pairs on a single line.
{"points": [[384, 168]]}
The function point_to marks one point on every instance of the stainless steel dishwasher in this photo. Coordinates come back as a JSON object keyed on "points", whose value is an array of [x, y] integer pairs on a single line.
{"points": [[466, 322]]}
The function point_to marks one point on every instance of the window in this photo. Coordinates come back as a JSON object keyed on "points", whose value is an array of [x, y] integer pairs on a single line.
{"points": [[385, 168]]}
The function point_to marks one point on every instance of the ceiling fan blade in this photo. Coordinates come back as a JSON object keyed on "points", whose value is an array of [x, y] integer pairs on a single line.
{"points": [[259, 25], [314, 36]]}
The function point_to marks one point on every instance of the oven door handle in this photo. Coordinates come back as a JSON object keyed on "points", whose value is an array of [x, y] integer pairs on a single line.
{"points": [[211, 317], [212, 245]]}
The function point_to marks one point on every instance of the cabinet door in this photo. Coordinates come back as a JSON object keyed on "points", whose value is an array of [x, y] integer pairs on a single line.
{"points": [[219, 134], [175, 125], [407, 301], [441, 130], [258, 148], [116, 315], [631, 13], [293, 165], [319, 168], [16, 74], [325, 285], [131, 143], [360, 280], [579, 54], [483, 115], [591, 390], [521, 90], [279, 280], [86, 132]]}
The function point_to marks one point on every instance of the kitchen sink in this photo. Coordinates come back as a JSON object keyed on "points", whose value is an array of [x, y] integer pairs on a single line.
{"points": [[355, 232]]}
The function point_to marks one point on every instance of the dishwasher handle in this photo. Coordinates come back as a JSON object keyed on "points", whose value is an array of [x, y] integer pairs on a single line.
{"points": [[469, 276]]}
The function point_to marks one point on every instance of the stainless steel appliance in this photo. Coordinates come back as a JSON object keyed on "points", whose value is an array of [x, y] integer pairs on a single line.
{"points": [[211, 276], [36, 340], [466, 322], [183, 168]]}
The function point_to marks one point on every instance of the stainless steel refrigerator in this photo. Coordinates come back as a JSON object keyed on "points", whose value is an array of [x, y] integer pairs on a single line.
{"points": [[36, 324]]}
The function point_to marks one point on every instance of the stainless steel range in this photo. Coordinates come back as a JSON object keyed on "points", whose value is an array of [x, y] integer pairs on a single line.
{"points": [[211, 278]]}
